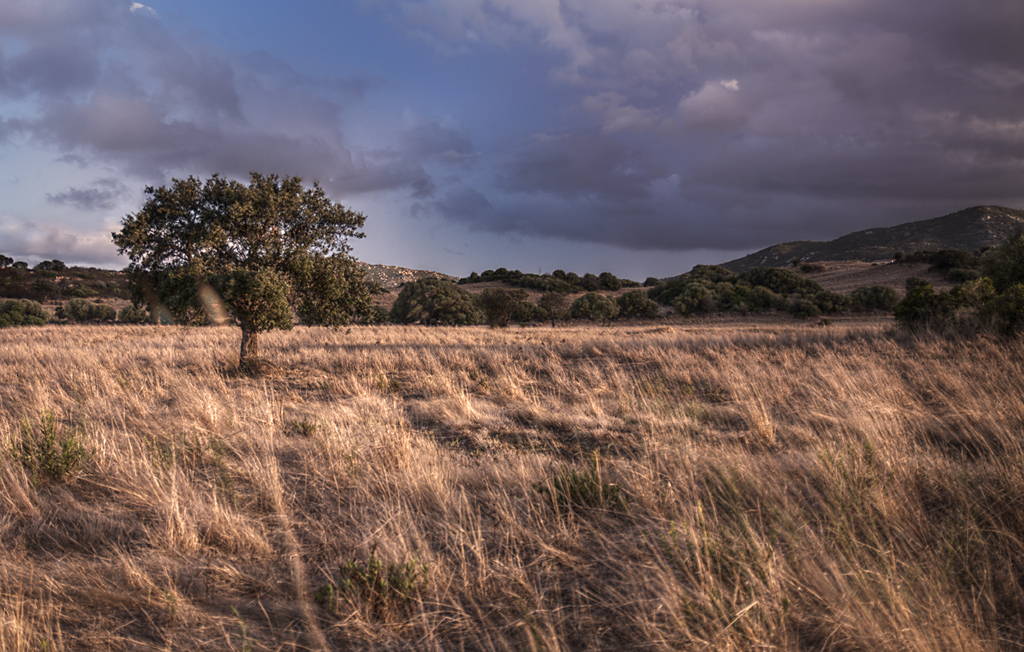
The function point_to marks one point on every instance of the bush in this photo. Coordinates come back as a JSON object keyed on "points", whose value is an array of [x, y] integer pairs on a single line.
{"points": [[501, 306], [876, 297], [636, 304], [761, 298], [381, 586], [651, 282], [801, 307], [22, 312], [82, 310], [133, 314], [435, 301], [50, 452], [780, 280], [609, 281], [594, 306], [1005, 264], [555, 306]]}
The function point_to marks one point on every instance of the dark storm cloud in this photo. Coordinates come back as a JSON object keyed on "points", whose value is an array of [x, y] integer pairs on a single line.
{"points": [[740, 123], [102, 195], [112, 86]]}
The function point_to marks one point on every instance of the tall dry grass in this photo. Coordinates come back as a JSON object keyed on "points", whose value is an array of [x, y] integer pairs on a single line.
{"points": [[730, 487]]}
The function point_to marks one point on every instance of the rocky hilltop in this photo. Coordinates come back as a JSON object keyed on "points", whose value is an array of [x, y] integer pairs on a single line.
{"points": [[391, 277], [969, 229]]}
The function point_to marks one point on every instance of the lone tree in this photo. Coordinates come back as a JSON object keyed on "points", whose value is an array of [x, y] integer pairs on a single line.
{"points": [[263, 249]]}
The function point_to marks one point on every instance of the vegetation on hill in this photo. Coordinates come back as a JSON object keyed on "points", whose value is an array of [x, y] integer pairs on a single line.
{"points": [[47, 282], [557, 281], [967, 230], [991, 298]]}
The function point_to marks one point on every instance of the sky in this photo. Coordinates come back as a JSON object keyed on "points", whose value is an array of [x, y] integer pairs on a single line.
{"points": [[639, 137]]}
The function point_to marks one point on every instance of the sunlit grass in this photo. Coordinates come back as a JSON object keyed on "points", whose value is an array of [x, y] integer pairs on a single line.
{"points": [[731, 487]]}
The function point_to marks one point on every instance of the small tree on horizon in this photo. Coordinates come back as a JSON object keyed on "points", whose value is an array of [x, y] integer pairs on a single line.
{"points": [[251, 253]]}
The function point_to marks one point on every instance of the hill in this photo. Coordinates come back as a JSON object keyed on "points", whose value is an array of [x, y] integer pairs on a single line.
{"points": [[391, 277], [970, 229]]}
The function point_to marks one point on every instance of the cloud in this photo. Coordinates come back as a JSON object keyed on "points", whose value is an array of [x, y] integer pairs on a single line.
{"points": [[37, 242], [130, 94], [103, 195], [776, 121]]}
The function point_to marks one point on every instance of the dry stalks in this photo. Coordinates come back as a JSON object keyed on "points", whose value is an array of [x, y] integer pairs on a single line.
{"points": [[722, 487]]}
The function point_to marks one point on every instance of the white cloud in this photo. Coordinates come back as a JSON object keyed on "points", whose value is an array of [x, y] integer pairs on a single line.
{"points": [[731, 84], [149, 11]]}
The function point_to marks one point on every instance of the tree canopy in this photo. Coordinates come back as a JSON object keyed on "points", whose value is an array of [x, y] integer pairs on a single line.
{"points": [[218, 249]]}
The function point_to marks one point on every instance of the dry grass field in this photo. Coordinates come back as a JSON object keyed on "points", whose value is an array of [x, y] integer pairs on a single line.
{"points": [[727, 486]]}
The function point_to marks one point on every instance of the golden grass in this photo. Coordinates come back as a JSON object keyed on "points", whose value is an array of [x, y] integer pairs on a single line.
{"points": [[783, 486]]}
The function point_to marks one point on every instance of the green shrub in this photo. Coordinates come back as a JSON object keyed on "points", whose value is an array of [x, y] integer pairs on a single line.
{"points": [[761, 298], [381, 586], [83, 310], [801, 307], [22, 312], [876, 297], [635, 303], [133, 314], [500, 306], [780, 280], [50, 452], [435, 301], [594, 306], [555, 306]]}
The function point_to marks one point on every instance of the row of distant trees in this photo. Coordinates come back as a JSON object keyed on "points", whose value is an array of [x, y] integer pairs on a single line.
{"points": [[261, 253]]}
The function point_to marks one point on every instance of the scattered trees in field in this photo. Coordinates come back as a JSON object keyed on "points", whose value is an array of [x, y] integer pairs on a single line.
{"points": [[218, 249], [594, 307], [435, 301]]}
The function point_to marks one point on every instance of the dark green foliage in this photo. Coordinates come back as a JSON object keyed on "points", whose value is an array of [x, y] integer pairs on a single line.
{"points": [[801, 307], [22, 312], [50, 452], [651, 282], [609, 281], [876, 297], [555, 306], [500, 306], [812, 268], [1005, 264], [761, 298], [375, 315], [781, 281], [594, 306], [21, 264], [831, 302], [215, 249], [133, 314], [670, 292], [558, 281], [435, 301], [379, 585], [45, 288], [915, 281], [571, 488], [82, 310], [51, 266], [635, 303], [5, 261], [995, 301], [1006, 310]]}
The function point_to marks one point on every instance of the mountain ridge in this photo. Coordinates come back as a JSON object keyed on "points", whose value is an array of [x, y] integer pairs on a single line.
{"points": [[968, 229]]}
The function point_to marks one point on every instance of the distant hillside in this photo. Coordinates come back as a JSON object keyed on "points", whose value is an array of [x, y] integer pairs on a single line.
{"points": [[391, 277], [969, 229]]}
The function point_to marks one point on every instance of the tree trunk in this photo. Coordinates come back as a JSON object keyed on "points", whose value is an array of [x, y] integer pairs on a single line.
{"points": [[250, 350]]}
